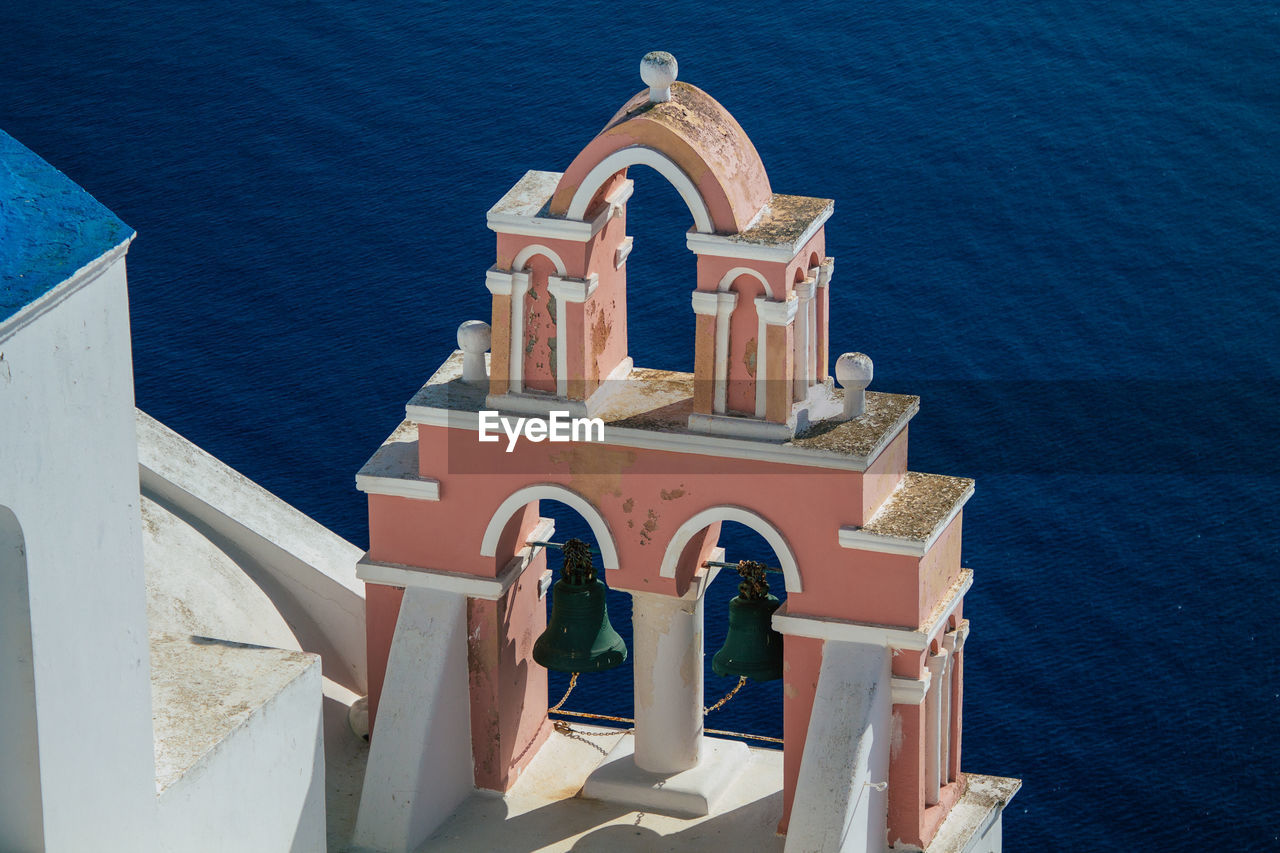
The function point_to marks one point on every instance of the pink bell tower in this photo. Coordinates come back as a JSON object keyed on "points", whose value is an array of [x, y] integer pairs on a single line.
{"points": [[758, 434]]}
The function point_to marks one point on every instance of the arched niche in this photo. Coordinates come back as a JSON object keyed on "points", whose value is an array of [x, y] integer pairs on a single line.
{"points": [[21, 818]]}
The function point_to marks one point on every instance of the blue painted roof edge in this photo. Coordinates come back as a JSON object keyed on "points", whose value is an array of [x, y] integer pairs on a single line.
{"points": [[50, 228]]}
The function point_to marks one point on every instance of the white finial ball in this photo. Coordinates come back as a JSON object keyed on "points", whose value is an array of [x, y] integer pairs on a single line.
{"points": [[658, 70], [854, 370], [473, 340], [474, 336]]}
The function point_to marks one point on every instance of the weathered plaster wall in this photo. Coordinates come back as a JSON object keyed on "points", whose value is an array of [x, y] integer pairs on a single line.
{"points": [[66, 364]]}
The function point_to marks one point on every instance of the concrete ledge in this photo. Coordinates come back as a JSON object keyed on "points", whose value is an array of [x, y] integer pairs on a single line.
{"points": [[913, 517], [893, 636], [204, 689], [473, 586], [694, 792], [974, 824], [393, 468]]}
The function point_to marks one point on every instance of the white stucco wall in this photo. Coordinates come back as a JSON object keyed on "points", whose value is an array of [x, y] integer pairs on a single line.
{"points": [[306, 570], [240, 747], [68, 473]]}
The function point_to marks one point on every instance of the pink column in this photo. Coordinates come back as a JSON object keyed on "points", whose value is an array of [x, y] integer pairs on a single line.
{"points": [[801, 663]]}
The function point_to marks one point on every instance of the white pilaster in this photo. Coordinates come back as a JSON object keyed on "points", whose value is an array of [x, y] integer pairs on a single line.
{"points": [[944, 752], [933, 729], [514, 284], [720, 305], [804, 337], [567, 290]]}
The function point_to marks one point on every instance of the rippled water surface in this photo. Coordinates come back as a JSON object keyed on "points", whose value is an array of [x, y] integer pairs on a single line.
{"points": [[1055, 221]]}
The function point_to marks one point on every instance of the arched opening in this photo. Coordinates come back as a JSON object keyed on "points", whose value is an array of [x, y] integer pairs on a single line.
{"points": [[744, 535], [21, 817], [610, 692], [757, 708], [660, 273]]}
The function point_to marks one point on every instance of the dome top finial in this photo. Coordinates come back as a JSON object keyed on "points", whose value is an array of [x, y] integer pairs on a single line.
{"points": [[658, 70]]}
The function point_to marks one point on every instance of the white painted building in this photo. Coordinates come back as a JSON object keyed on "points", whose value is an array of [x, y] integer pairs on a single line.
{"points": [[178, 647]]}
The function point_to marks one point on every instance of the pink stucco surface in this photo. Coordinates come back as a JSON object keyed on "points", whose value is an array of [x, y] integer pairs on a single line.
{"points": [[643, 497], [508, 690], [537, 351], [802, 662]]}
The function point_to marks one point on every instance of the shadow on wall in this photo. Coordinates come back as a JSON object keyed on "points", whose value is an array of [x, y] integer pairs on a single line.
{"points": [[21, 813]]}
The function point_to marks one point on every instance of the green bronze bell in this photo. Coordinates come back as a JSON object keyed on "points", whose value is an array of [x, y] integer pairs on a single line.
{"points": [[579, 637], [751, 647]]}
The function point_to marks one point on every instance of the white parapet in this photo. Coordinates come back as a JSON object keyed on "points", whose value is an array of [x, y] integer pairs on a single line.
{"points": [[239, 746]]}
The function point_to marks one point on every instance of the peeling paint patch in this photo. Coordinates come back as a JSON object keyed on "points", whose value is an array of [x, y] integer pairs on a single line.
{"points": [[789, 690], [672, 494], [629, 504], [895, 736], [749, 357], [650, 525]]}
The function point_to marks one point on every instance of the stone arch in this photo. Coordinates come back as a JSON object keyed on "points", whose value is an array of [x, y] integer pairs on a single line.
{"points": [[533, 249], [734, 274], [744, 516], [554, 492], [639, 155], [21, 812], [693, 141]]}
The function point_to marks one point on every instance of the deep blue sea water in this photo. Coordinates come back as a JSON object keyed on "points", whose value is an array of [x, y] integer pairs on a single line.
{"points": [[1055, 221]]}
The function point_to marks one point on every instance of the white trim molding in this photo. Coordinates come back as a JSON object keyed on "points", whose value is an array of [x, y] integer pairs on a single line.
{"points": [[641, 155], [861, 539], [777, 312], [826, 269], [623, 251], [533, 249], [738, 272], [569, 289], [498, 280], [555, 492], [406, 486], [736, 246], [749, 518], [909, 691], [472, 586], [704, 302], [892, 636]]}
